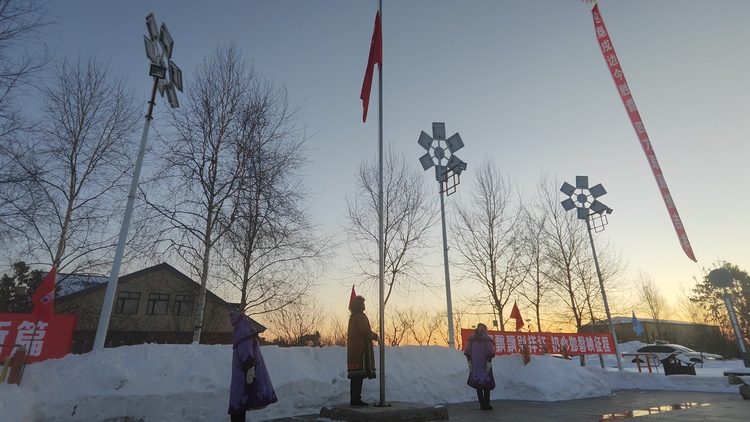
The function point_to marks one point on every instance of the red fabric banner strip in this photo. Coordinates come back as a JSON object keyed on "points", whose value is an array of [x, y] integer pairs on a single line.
{"points": [[507, 342], [635, 119]]}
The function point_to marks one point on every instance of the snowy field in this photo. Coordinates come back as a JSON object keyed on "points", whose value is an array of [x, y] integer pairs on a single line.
{"points": [[191, 382]]}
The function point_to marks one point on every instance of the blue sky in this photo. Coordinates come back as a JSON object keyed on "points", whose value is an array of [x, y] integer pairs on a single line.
{"points": [[523, 82]]}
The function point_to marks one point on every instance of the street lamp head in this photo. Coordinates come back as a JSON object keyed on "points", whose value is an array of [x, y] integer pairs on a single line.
{"points": [[157, 71], [583, 198], [159, 46]]}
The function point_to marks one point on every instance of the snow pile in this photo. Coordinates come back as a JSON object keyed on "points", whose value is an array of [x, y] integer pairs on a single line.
{"points": [[191, 382]]}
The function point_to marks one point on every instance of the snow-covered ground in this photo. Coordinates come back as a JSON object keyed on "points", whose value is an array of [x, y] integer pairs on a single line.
{"points": [[191, 382]]}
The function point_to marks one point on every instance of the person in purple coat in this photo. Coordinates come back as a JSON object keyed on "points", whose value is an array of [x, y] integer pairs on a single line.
{"points": [[479, 351], [250, 388]]}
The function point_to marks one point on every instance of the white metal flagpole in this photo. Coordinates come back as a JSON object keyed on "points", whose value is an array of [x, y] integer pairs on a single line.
{"points": [[381, 252]]}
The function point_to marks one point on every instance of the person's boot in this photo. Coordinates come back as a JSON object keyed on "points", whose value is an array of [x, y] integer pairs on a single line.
{"points": [[355, 394], [487, 399]]}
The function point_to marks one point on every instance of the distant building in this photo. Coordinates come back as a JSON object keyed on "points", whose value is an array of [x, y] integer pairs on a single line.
{"points": [[685, 333], [153, 305]]}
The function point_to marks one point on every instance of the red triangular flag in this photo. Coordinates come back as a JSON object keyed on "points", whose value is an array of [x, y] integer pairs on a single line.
{"points": [[376, 56], [44, 297], [516, 314], [351, 298]]}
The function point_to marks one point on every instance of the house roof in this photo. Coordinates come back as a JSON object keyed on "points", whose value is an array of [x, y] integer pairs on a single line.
{"points": [[71, 283], [81, 285]]}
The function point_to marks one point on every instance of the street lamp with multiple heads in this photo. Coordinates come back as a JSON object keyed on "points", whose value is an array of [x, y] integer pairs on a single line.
{"points": [[167, 80], [594, 212], [448, 176]]}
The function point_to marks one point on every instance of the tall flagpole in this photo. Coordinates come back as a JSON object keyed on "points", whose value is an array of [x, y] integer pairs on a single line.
{"points": [[381, 252]]}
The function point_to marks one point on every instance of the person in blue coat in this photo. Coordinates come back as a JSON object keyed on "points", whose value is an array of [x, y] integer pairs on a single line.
{"points": [[250, 388], [479, 351]]}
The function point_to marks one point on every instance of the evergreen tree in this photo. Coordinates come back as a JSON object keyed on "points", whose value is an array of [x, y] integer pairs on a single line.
{"points": [[711, 299], [16, 290]]}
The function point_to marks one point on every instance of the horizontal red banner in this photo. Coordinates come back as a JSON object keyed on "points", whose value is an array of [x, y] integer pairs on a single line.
{"points": [[508, 342], [42, 340]]}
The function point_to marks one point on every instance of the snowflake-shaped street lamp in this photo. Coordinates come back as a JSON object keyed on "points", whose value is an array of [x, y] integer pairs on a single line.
{"points": [[448, 176], [167, 80], [588, 208]]}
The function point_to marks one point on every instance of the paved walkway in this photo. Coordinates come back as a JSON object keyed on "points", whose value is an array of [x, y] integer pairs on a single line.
{"points": [[684, 406]]}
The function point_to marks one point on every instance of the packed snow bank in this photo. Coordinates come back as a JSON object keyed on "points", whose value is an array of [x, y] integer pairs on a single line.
{"points": [[191, 382]]}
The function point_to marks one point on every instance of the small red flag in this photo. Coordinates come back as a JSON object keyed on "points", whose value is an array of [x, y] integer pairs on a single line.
{"points": [[376, 56], [44, 297], [516, 314], [351, 298]]}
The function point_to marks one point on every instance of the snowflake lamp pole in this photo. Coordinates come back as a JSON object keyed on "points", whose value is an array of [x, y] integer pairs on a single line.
{"points": [[448, 177], [167, 80], [590, 209]]}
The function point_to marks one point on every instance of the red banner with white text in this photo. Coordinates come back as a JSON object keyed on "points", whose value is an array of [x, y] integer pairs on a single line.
{"points": [[618, 76], [508, 342], [48, 339]]}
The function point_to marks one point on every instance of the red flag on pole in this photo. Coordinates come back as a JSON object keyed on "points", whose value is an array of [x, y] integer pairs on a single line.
{"points": [[351, 298], [516, 314], [44, 297], [376, 56]]}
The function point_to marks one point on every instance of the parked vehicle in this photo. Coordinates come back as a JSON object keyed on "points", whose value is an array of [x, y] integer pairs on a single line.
{"points": [[664, 350]]}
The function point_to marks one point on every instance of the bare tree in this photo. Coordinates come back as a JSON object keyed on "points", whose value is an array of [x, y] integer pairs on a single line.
{"points": [[63, 205], [204, 163], [336, 333], [296, 320], [487, 233], [396, 328], [688, 310], [20, 65], [430, 325], [271, 255], [651, 301], [20, 25], [408, 216], [537, 283]]}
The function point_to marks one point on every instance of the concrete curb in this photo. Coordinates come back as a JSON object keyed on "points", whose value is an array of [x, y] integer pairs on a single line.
{"points": [[396, 412]]}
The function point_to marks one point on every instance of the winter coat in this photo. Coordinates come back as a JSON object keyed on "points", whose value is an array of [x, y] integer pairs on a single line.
{"points": [[479, 351], [245, 355], [360, 358]]}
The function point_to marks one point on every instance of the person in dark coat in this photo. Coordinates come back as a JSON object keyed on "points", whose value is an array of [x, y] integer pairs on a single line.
{"points": [[479, 351], [250, 388], [360, 358]]}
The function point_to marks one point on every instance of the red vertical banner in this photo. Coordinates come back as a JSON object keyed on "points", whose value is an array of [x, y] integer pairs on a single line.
{"points": [[618, 76]]}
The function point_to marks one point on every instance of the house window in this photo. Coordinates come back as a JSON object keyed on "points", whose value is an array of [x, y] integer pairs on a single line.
{"points": [[157, 304], [127, 302], [183, 305]]}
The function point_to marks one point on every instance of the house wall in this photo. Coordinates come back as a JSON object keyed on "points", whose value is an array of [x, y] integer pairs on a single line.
{"points": [[140, 327]]}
